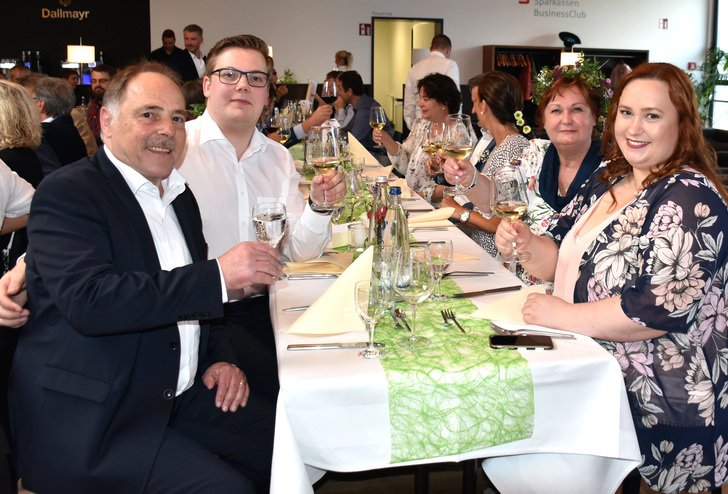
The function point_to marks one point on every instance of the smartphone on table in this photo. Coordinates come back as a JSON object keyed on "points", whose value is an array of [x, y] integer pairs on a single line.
{"points": [[529, 342]]}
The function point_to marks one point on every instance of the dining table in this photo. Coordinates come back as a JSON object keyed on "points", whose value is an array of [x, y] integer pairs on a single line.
{"points": [[333, 410]]}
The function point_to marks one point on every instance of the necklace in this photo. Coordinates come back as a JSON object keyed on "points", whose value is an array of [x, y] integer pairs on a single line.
{"points": [[633, 180]]}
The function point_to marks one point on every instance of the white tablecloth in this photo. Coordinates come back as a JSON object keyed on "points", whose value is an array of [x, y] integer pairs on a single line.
{"points": [[333, 408]]}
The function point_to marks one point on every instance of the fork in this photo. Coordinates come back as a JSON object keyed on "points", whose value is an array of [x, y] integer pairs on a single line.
{"points": [[449, 314]]}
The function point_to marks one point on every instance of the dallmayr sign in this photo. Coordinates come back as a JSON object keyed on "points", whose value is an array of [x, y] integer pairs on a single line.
{"points": [[64, 14]]}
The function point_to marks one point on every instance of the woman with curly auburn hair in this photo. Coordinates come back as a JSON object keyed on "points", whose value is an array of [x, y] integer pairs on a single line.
{"points": [[639, 263]]}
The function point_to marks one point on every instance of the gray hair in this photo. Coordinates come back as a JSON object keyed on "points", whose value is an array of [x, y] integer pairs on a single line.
{"points": [[57, 94]]}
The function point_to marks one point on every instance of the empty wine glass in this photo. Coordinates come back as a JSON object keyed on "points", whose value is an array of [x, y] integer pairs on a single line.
{"points": [[441, 253], [458, 143], [414, 284], [509, 200], [322, 152], [269, 221], [377, 120], [370, 304]]}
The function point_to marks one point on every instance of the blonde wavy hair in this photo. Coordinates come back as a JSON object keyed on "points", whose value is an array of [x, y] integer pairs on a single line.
{"points": [[19, 118]]}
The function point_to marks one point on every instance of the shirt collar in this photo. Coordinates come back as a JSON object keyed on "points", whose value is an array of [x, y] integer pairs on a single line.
{"points": [[172, 186], [210, 131], [435, 53]]}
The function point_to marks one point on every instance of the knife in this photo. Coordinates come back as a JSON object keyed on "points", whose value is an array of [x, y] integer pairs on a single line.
{"points": [[331, 346], [467, 273], [312, 276], [487, 292], [295, 309]]}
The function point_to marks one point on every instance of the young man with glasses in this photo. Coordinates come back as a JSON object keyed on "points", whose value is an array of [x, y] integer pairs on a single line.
{"points": [[230, 166]]}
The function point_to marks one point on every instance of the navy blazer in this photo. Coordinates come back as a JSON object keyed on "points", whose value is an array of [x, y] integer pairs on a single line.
{"points": [[95, 372], [186, 67]]}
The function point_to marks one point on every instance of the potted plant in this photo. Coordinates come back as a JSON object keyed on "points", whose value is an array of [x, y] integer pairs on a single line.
{"points": [[713, 73]]}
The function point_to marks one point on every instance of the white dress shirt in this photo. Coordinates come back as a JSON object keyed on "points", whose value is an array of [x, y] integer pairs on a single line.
{"points": [[171, 249], [227, 189], [434, 62], [199, 63]]}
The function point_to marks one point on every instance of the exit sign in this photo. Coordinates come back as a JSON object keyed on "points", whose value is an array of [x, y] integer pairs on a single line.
{"points": [[365, 29]]}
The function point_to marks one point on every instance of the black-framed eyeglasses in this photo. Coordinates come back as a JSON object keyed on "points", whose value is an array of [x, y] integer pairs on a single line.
{"points": [[232, 76]]}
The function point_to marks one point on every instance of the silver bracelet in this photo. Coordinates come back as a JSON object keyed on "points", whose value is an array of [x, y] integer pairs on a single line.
{"points": [[474, 181]]}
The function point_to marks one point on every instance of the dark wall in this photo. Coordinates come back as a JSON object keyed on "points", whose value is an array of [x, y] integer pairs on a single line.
{"points": [[119, 29]]}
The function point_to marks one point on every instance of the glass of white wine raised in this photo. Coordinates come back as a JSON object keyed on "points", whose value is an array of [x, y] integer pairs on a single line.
{"points": [[322, 153], [377, 120], [285, 131], [458, 144], [509, 200], [269, 221]]}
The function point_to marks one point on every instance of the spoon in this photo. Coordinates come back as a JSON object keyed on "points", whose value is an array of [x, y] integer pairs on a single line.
{"points": [[398, 312]]}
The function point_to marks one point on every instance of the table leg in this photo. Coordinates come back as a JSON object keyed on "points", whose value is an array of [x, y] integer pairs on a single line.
{"points": [[422, 479], [470, 476]]}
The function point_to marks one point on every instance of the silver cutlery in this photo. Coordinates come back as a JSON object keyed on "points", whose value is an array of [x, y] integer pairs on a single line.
{"points": [[397, 325], [449, 314], [487, 292], [295, 309], [524, 331], [467, 273], [331, 346], [400, 314], [312, 276]]}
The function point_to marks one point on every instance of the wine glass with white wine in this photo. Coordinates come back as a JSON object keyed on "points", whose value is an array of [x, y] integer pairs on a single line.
{"points": [[433, 145], [322, 152], [377, 120], [269, 221], [509, 200], [458, 143]]}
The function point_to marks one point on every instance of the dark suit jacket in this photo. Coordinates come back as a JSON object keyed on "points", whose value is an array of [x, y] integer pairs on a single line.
{"points": [[175, 60], [63, 137], [95, 372], [187, 68]]}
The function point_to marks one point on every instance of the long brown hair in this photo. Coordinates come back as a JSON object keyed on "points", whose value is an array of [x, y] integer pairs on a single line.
{"points": [[691, 149]]}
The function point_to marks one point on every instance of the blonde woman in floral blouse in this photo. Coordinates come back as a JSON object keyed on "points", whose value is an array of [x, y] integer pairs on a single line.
{"points": [[439, 97], [640, 263]]}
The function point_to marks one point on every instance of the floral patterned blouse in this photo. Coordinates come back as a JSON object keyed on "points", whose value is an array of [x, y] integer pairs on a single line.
{"points": [[410, 160], [666, 257]]}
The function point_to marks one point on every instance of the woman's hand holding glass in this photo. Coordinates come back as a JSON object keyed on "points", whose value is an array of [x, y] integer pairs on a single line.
{"points": [[458, 143], [458, 172]]}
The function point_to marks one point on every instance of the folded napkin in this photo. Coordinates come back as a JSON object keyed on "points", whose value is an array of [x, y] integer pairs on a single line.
{"points": [[374, 172], [339, 239], [433, 219], [402, 184], [334, 312], [357, 150], [508, 308], [458, 257], [327, 264]]}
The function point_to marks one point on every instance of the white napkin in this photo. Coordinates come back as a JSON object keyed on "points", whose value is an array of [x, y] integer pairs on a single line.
{"points": [[374, 172], [334, 312], [326, 264], [433, 219], [402, 184], [357, 150], [508, 308]]}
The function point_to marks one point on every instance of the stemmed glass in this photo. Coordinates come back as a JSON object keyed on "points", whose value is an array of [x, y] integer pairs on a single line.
{"points": [[285, 133], [440, 259], [414, 284], [328, 92], [322, 152], [377, 120], [370, 304], [435, 134], [509, 200], [458, 143], [269, 221]]}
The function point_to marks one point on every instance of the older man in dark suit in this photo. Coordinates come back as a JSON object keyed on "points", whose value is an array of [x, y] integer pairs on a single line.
{"points": [[117, 386]]}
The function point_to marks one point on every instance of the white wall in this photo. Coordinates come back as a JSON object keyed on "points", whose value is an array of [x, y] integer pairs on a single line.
{"points": [[305, 35]]}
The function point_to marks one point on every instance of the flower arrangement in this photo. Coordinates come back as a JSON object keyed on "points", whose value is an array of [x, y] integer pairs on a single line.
{"points": [[288, 77], [589, 71]]}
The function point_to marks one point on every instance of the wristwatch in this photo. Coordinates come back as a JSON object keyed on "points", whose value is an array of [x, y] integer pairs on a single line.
{"points": [[465, 216]]}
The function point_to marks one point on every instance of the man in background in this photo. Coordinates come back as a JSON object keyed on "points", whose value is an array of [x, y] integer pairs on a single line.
{"points": [[17, 72], [101, 76], [168, 54], [438, 61], [193, 65]]}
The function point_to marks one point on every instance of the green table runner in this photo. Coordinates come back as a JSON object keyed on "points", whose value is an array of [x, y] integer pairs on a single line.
{"points": [[457, 394]]}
